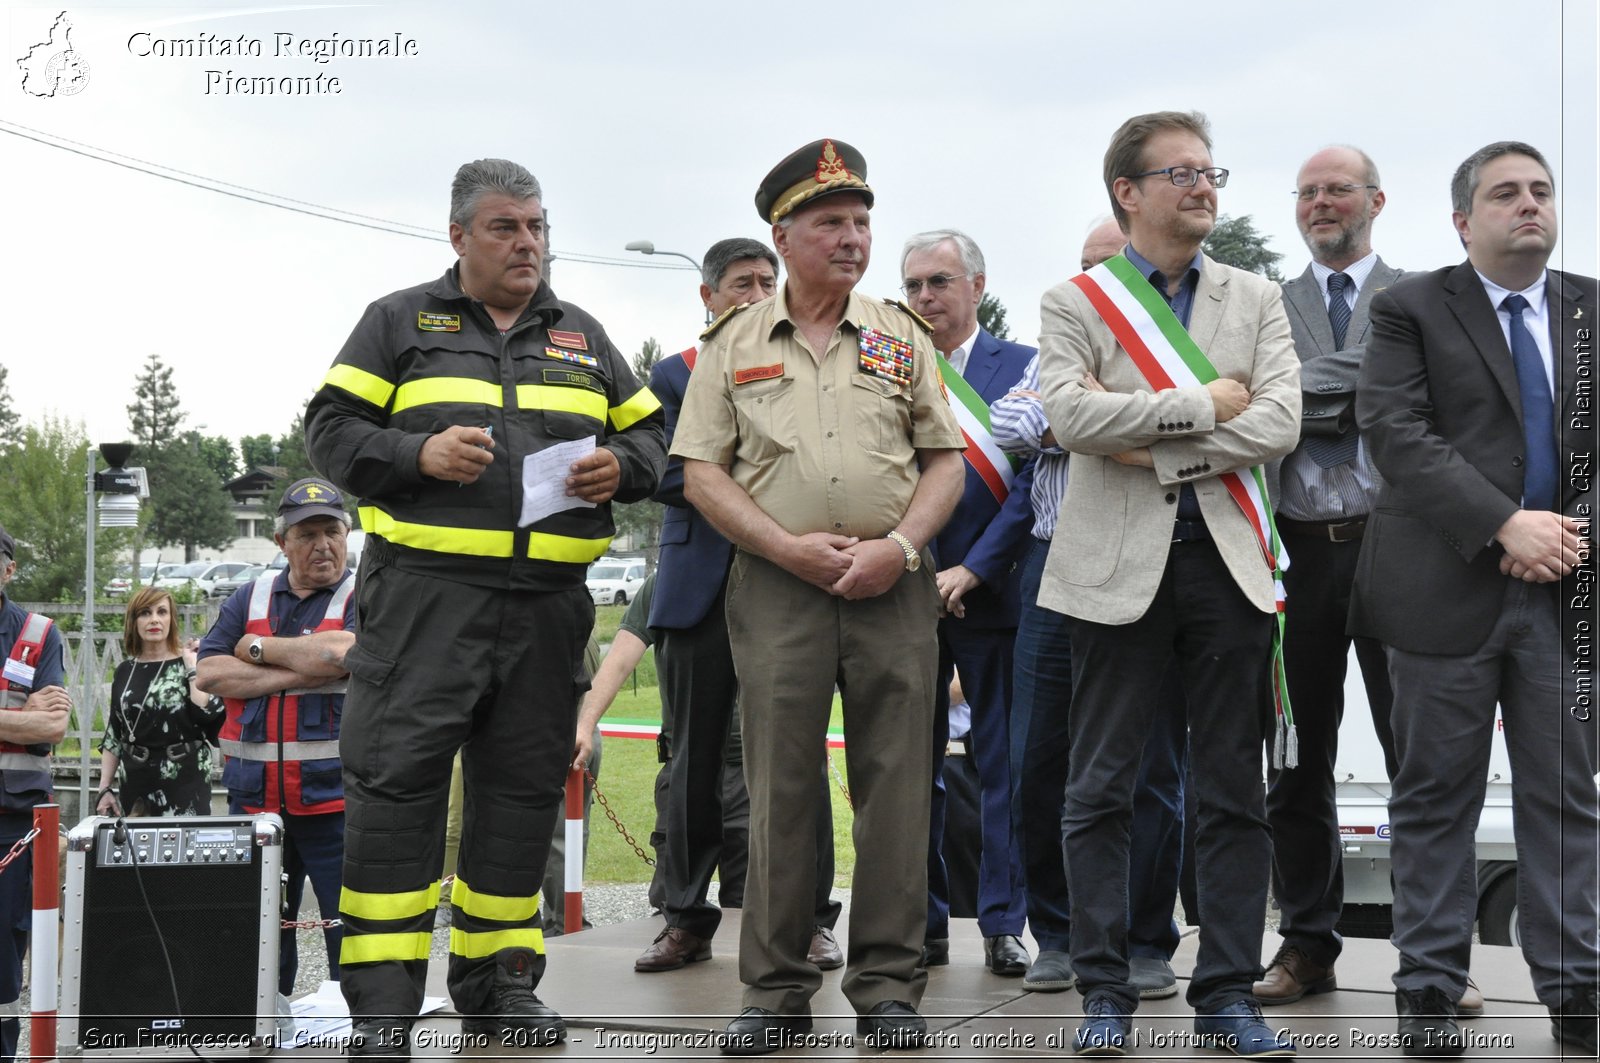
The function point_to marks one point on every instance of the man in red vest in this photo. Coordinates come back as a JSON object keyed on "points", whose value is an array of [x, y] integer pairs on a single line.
{"points": [[276, 656]]}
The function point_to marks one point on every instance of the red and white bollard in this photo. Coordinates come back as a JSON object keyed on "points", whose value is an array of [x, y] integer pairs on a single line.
{"points": [[45, 941], [572, 913]]}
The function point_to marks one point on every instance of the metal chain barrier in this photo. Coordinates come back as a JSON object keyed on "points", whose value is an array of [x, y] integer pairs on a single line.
{"points": [[19, 848], [839, 779], [615, 822]]}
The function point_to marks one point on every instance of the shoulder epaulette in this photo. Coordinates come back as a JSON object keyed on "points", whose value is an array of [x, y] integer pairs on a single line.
{"points": [[719, 322], [918, 318]]}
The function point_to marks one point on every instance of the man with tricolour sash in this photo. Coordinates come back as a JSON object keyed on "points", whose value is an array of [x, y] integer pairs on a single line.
{"points": [[1171, 379]]}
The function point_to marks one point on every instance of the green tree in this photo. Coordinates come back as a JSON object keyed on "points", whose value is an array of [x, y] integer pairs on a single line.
{"points": [[292, 456], [256, 452], [992, 317], [641, 521], [155, 412], [1235, 242], [646, 359], [188, 503], [217, 452], [10, 423], [42, 498]]}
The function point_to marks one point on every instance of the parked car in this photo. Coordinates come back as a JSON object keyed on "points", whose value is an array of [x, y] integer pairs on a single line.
{"points": [[615, 583], [225, 586], [201, 574], [120, 584]]}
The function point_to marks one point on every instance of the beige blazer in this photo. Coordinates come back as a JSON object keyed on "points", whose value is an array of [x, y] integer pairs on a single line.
{"points": [[1115, 526]]}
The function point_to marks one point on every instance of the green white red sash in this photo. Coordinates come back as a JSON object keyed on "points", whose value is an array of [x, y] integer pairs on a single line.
{"points": [[993, 465], [1167, 356]]}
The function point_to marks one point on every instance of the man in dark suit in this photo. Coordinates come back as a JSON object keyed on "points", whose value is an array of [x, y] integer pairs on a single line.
{"points": [[1327, 488], [976, 553], [695, 664], [1475, 574]]}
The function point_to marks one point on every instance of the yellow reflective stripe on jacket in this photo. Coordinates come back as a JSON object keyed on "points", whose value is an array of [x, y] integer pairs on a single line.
{"points": [[492, 905], [376, 948], [477, 946], [641, 405], [375, 906], [565, 400], [445, 389], [543, 546], [360, 383], [438, 537]]}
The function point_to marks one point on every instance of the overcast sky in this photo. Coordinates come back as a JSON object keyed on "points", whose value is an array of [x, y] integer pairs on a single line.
{"points": [[652, 120]]}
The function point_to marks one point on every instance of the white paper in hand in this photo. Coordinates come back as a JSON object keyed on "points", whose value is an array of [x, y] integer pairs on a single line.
{"points": [[544, 480]]}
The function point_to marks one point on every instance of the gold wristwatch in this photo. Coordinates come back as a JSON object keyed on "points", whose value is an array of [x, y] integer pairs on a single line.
{"points": [[913, 559]]}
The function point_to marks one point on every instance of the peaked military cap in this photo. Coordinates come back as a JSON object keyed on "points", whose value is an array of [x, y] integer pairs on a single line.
{"points": [[821, 168]]}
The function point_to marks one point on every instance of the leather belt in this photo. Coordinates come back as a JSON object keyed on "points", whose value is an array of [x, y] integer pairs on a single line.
{"points": [[1190, 531], [1335, 531]]}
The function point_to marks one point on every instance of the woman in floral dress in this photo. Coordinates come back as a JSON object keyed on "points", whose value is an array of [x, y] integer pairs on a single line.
{"points": [[161, 724]]}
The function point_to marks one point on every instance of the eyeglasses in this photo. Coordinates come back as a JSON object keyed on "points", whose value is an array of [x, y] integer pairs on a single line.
{"points": [[1188, 176], [936, 284], [1308, 193]]}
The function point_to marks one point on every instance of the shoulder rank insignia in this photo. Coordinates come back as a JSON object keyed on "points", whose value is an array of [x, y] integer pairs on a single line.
{"points": [[886, 356], [918, 318], [575, 340], [427, 322], [719, 322], [572, 356]]}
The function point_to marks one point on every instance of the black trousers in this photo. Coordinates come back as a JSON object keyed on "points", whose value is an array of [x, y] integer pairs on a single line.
{"points": [[1222, 645], [440, 666], [1307, 859]]}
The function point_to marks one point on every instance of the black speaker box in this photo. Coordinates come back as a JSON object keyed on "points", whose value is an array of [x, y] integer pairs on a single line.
{"points": [[171, 935]]}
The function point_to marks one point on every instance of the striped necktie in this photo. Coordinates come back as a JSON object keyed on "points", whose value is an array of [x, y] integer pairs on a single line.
{"points": [[1329, 451]]}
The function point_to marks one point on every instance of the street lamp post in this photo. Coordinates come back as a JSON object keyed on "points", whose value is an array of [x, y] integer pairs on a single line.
{"points": [[645, 247]]}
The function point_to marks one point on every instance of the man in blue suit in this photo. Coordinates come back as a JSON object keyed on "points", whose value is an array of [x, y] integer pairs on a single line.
{"points": [[976, 553], [695, 665]]}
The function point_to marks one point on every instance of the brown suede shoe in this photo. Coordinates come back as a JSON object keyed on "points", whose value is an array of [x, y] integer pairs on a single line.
{"points": [[1290, 976], [672, 948], [824, 951]]}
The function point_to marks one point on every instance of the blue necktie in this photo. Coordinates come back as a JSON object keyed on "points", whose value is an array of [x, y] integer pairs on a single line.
{"points": [[1328, 451], [1538, 411], [1338, 308]]}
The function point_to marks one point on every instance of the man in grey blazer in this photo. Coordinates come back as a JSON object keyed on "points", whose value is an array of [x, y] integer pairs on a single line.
{"points": [[1476, 573], [1326, 488], [1153, 559]]}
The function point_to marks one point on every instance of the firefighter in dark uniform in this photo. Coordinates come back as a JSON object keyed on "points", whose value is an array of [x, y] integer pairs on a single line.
{"points": [[276, 657], [472, 626], [38, 705]]}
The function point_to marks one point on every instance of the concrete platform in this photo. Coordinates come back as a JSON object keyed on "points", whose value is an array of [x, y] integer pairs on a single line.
{"points": [[616, 1013]]}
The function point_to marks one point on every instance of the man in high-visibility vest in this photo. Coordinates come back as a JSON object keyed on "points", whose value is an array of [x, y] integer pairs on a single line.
{"points": [[443, 412], [38, 705], [276, 657]]}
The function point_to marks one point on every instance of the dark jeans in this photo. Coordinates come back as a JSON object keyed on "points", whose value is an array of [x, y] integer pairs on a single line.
{"points": [[1039, 754], [1222, 647]]}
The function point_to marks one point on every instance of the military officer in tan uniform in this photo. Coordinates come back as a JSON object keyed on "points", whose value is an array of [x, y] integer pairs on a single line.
{"points": [[814, 435]]}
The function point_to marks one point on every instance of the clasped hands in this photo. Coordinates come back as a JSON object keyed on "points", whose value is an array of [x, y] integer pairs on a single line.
{"points": [[844, 565], [1541, 546]]}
